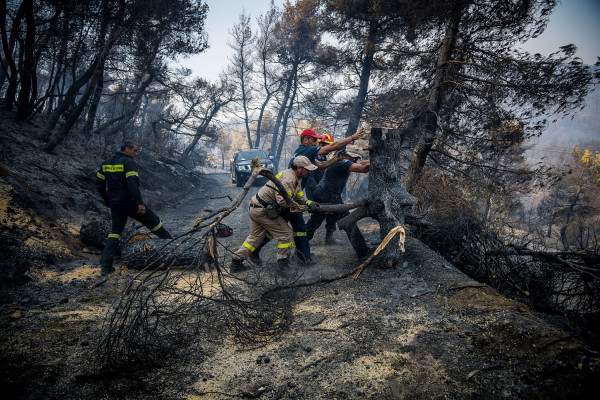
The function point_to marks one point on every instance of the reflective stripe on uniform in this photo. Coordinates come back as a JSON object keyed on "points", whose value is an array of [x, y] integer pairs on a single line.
{"points": [[113, 168], [131, 173], [300, 194], [249, 246], [99, 175], [283, 245], [308, 202], [299, 233], [114, 236], [269, 236], [157, 227], [279, 175]]}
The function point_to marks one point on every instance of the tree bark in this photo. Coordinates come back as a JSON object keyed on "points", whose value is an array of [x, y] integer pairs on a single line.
{"points": [[27, 71], [285, 119], [428, 123], [286, 98], [8, 53], [367, 65]]}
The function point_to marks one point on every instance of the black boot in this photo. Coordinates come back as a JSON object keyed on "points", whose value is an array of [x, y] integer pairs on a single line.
{"points": [[237, 266], [283, 267], [163, 233], [106, 269], [330, 240], [255, 258]]}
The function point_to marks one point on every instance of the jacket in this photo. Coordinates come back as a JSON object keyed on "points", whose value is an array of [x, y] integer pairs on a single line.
{"points": [[270, 194], [119, 174]]}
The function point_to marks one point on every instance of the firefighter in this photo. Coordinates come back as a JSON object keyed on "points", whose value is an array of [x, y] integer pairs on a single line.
{"points": [[329, 190], [119, 174], [309, 148], [265, 215], [313, 179]]}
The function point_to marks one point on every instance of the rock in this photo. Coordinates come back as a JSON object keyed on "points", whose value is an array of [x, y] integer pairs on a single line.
{"points": [[95, 232]]}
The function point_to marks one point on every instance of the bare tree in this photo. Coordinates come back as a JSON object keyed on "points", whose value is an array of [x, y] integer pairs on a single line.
{"points": [[206, 101], [241, 67], [265, 48], [297, 42]]}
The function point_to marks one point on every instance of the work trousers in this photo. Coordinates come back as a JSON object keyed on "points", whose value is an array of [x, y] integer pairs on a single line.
{"points": [[330, 219], [260, 225], [119, 215], [356, 238], [296, 220]]}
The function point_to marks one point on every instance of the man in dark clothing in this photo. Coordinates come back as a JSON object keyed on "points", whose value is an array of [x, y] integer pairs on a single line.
{"points": [[313, 180], [329, 190], [310, 149], [119, 174]]}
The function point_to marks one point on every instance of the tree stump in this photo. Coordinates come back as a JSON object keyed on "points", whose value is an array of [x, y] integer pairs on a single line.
{"points": [[386, 200]]}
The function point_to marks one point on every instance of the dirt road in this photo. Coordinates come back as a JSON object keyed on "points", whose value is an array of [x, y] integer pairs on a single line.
{"points": [[422, 331]]}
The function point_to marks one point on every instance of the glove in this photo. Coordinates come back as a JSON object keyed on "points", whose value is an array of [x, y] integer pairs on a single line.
{"points": [[312, 206]]}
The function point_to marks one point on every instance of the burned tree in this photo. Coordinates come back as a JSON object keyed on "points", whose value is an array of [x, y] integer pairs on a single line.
{"points": [[387, 200]]}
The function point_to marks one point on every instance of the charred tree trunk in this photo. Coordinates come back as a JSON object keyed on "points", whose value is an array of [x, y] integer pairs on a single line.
{"points": [[27, 71], [386, 200], [365, 74], [428, 123], [276, 139], [285, 119]]}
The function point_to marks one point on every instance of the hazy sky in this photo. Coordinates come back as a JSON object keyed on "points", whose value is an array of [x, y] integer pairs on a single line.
{"points": [[573, 21]]}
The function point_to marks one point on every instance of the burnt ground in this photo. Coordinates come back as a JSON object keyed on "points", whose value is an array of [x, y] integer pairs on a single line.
{"points": [[421, 331]]}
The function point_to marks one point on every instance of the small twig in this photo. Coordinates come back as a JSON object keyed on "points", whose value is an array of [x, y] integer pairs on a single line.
{"points": [[312, 364], [466, 287], [321, 330], [220, 197], [550, 343], [95, 285], [488, 368], [422, 293], [319, 321]]}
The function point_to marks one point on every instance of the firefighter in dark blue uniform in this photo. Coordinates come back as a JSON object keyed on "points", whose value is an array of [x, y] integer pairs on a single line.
{"points": [[119, 174]]}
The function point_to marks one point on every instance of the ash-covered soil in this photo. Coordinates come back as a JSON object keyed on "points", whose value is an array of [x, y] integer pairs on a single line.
{"points": [[422, 331]]}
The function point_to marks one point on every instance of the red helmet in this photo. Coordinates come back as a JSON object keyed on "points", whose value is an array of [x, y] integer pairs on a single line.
{"points": [[326, 138]]}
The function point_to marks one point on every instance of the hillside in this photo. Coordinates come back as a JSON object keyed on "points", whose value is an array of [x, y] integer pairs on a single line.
{"points": [[422, 331]]}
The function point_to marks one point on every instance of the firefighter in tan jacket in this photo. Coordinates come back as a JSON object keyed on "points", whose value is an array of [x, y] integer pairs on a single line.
{"points": [[264, 215]]}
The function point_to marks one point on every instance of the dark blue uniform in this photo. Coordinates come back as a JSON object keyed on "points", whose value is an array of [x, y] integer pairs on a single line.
{"points": [[329, 191], [309, 152], [119, 174]]}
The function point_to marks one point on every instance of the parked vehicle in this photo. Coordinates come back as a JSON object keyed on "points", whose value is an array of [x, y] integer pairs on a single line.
{"points": [[240, 165]]}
